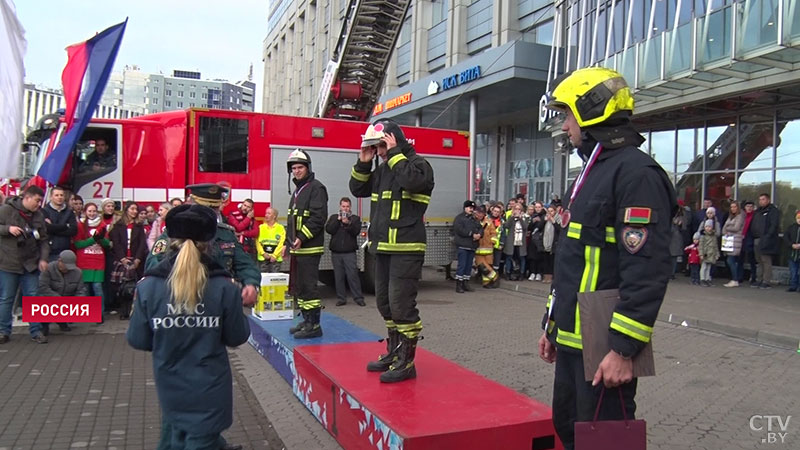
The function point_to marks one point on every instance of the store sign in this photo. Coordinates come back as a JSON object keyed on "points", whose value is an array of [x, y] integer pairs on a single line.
{"points": [[400, 100], [546, 116], [471, 74]]}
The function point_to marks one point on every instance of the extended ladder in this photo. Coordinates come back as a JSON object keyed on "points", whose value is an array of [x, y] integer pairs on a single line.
{"points": [[354, 75]]}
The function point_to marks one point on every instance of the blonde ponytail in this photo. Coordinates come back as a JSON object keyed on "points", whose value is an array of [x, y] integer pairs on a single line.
{"points": [[188, 278]]}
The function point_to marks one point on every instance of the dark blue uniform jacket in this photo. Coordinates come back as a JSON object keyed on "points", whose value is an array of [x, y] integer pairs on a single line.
{"points": [[190, 361]]}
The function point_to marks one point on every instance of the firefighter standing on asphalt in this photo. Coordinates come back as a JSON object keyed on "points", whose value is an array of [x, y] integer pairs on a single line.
{"points": [[225, 248], [484, 255], [617, 227], [305, 237], [400, 189]]}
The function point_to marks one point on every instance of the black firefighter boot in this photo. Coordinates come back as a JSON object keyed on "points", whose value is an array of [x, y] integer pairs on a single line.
{"points": [[459, 286], [312, 329], [385, 360], [300, 325], [467, 287], [402, 369]]}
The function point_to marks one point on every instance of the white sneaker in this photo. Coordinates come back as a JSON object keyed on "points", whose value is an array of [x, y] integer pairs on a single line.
{"points": [[532, 277], [538, 277], [731, 283]]}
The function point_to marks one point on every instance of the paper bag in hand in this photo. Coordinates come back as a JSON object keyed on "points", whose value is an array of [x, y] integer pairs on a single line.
{"points": [[596, 310]]}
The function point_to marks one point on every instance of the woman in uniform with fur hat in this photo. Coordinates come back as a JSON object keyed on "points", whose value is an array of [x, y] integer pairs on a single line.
{"points": [[186, 312]]}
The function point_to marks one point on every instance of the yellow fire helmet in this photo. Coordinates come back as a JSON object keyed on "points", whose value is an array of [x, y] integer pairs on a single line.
{"points": [[593, 94]]}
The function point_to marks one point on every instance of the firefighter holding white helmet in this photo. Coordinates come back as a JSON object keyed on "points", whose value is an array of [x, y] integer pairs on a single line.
{"points": [[617, 228], [400, 189], [307, 213]]}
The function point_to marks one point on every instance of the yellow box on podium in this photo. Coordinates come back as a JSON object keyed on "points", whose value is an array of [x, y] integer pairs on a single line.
{"points": [[274, 303]]}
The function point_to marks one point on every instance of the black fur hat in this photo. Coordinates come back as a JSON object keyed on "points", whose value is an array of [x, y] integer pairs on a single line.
{"points": [[195, 222]]}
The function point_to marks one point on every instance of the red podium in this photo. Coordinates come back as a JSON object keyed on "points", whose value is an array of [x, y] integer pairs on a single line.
{"points": [[445, 407]]}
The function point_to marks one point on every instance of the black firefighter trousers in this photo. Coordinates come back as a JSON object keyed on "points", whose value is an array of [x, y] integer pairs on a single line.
{"points": [[575, 400], [306, 289], [396, 283]]}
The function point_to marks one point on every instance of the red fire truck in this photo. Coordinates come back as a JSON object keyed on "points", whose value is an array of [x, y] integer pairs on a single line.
{"points": [[158, 155]]}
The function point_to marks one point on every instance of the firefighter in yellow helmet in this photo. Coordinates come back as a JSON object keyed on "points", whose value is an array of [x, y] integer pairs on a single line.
{"points": [[305, 237], [400, 189], [615, 236]]}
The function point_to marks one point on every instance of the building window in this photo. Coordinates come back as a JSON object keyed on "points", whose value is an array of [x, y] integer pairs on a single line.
{"points": [[204, 96], [180, 85], [167, 104], [180, 104], [223, 145], [155, 100], [180, 94], [438, 11], [192, 94], [155, 89], [168, 92], [146, 89]]}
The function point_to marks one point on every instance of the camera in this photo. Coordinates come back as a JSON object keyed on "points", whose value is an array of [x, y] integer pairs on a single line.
{"points": [[27, 233], [343, 214]]}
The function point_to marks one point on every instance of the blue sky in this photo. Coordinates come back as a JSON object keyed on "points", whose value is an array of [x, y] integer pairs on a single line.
{"points": [[219, 39]]}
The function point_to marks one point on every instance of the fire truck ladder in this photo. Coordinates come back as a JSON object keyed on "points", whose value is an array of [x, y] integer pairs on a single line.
{"points": [[355, 74]]}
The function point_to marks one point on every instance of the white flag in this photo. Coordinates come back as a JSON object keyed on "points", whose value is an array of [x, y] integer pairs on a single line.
{"points": [[12, 76]]}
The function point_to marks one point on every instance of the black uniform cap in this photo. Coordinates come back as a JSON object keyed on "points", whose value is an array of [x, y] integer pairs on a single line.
{"points": [[208, 194], [195, 222]]}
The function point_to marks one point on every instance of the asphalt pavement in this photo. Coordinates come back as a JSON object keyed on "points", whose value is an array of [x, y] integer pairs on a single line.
{"points": [[723, 356]]}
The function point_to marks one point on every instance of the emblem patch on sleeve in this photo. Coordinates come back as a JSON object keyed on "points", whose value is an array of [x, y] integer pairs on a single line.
{"points": [[637, 215], [160, 246], [633, 239]]}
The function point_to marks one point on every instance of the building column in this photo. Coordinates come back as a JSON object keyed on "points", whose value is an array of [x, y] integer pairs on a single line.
{"points": [[457, 32], [500, 163], [473, 141], [505, 22]]}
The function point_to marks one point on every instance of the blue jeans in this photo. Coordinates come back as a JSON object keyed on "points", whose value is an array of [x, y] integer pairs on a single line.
{"points": [[8, 291], [464, 268], [794, 274], [733, 264], [96, 290], [510, 259]]}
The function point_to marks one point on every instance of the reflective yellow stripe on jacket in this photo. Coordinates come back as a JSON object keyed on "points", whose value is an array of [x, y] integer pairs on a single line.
{"points": [[591, 271], [574, 231]]}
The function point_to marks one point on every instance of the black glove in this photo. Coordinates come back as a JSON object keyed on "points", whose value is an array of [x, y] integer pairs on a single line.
{"points": [[99, 234]]}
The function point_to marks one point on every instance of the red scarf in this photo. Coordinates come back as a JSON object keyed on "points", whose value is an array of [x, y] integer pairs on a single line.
{"points": [[747, 219]]}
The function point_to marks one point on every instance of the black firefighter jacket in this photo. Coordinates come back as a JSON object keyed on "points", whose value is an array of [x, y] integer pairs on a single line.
{"points": [[400, 191], [464, 226], [308, 210], [617, 238]]}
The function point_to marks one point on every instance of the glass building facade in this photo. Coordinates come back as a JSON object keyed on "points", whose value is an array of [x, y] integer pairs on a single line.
{"points": [[716, 86]]}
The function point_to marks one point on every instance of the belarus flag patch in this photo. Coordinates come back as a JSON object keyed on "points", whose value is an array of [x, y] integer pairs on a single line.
{"points": [[637, 215]]}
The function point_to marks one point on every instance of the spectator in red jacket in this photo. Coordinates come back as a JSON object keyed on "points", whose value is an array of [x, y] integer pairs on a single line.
{"points": [[244, 222], [92, 243]]}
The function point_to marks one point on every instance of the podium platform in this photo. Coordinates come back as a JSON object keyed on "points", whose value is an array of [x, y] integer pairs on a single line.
{"points": [[271, 339], [446, 407]]}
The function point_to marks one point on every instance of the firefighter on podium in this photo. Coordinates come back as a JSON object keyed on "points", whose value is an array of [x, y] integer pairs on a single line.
{"points": [[225, 248], [400, 189], [615, 238], [305, 237]]}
